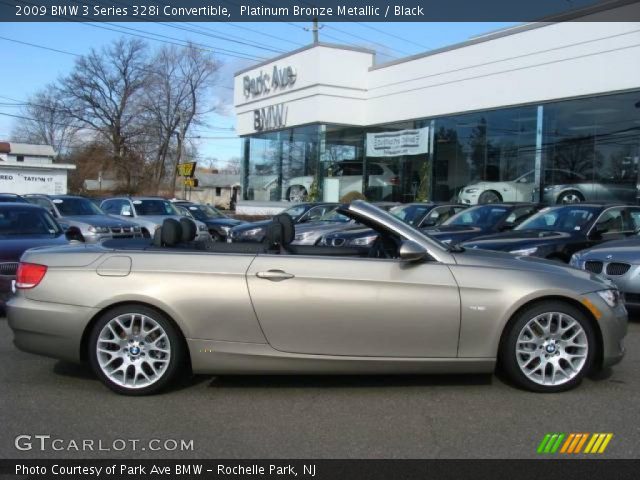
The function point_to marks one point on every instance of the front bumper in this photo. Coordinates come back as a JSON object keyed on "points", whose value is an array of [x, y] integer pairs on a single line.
{"points": [[50, 329], [613, 323]]}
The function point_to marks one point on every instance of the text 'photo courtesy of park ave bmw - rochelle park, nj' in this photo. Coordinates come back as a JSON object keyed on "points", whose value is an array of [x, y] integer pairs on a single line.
{"points": [[325, 240]]}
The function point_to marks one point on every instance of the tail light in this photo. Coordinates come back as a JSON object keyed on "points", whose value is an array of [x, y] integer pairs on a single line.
{"points": [[394, 181], [29, 275]]}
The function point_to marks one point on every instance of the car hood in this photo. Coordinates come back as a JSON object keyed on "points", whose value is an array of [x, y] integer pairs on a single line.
{"points": [[627, 250], [224, 222], [12, 249], [97, 220], [488, 258], [251, 225], [321, 226], [516, 238]]}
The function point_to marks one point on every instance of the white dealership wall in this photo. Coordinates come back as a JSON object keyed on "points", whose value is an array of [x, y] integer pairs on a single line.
{"points": [[530, 64], [24, 179]]}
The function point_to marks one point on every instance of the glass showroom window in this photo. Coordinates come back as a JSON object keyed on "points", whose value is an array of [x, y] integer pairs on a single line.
{"points": [[276, 163], [342, 162], [396, 162], [592, 149], [485, 157]]}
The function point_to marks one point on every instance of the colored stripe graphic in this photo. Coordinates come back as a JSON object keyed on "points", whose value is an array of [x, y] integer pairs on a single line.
{"points": [[573, 443]]}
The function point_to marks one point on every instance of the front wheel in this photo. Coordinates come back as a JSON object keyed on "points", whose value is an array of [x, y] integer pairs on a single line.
{"points": [[135, 350], [550, 347], [489, 197], [570, 197]]}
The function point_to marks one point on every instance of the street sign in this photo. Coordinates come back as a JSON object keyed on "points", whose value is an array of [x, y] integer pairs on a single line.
{"points": [[186, 169], [191, 182]]}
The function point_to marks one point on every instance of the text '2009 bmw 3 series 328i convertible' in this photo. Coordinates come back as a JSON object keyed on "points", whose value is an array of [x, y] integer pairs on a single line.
{"points": [[144, 314]]}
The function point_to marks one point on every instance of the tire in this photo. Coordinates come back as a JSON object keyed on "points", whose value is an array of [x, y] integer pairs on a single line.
{"points": [[297, 193], [571, 196], [489, 197], [529, 359], [116, 332]]}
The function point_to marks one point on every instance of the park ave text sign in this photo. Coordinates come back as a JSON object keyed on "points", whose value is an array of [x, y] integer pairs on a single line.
{"points": [[264, 82]]}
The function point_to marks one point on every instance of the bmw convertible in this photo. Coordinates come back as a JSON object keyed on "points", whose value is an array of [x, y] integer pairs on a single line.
{"points": [[143, 314]]}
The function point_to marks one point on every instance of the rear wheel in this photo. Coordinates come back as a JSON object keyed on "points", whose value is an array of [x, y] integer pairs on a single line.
{"points": [[549, 347], [570, 197], [489, 197], [297, 193], [135, 350]]}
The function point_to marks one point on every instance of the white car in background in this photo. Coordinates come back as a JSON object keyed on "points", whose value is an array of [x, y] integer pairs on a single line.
{"points": [[350, 174], [519, 190]]}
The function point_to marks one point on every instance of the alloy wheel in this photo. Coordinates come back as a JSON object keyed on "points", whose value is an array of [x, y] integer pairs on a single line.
{"points": [[552, 348], [133, 350]]}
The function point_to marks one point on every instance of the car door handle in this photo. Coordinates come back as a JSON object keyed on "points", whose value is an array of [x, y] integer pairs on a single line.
{"points": [[274, 275]]}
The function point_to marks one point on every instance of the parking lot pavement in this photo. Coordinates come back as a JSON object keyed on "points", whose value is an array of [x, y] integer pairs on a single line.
{"points": [[319, 417]]}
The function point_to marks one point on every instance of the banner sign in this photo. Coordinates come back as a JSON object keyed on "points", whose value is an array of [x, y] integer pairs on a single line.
{"points": [[191, 182], [304, 11], [186, 169], [401, 142]]}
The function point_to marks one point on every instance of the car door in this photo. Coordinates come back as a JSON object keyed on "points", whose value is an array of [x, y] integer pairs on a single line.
{"points": [[356, 306]]}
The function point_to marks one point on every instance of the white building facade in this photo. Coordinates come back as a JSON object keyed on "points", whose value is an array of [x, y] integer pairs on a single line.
{"points": [[542, 106], [26, 169]]}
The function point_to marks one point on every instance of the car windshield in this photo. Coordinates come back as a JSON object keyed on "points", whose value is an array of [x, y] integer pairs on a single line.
{"points": [[334, 216], [76, 207], [410, 214], [564, 219], [203, 212], [17, 222], [481, 216], [154, 207], [295, 211]]}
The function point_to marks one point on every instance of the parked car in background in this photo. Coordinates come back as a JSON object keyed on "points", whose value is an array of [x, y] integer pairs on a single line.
{"points": [[217, 222], [310, 233], [519, 190], [83, 219], [12, 198], [349, 175], [482, 220], [23, 226], [590, 191], [619, 261], [148, 213], [418, 215], [556, 233], [412, 306], [300, 213]]}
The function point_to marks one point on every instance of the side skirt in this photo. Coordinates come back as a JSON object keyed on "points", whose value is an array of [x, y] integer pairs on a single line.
{"points": [[214, 357]]}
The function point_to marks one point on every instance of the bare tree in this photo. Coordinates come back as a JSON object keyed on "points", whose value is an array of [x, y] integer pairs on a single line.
{"points": [[45, 122], [102, 92]]}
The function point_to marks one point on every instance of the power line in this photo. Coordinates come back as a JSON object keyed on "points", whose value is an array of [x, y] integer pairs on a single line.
{"points": [[379, 30], [39, 46]]}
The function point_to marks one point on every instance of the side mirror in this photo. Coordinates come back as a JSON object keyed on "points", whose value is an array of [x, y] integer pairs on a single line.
{"points": [[73, 235], [410, 251], [598, 231]]}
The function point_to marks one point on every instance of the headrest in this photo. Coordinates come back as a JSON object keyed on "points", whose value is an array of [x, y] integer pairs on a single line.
{"points": [[288, 228], [171, 232], [189, 229], [157, 237], [273, 235]]}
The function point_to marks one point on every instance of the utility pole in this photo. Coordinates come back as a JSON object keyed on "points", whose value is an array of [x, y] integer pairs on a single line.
{"points": [[315, 29]]}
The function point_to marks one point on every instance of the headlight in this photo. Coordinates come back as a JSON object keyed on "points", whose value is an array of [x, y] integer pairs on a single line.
{"points": [[363, 241], [525, 251], [611, 297], [471, 190], [300, 237], [446, 241], [548, 189], [225, 229], [94, 229], [254, 232], [575, 261]]}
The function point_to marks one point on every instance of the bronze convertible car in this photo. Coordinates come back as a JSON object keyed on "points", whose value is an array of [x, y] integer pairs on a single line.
{"points": [[142, 315]]}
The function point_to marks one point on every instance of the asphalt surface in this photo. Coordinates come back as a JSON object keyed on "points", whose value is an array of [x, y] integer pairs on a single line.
{"points": [[312, 417]]}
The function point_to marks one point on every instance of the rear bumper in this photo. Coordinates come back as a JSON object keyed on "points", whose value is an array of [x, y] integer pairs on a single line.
{"points": [[50, 329]]}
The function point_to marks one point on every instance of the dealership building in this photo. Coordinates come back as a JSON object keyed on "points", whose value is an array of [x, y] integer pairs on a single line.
{"points": [[543, 111]]}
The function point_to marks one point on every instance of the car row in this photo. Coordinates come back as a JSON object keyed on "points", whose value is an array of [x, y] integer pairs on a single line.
{"points": [[411, 304]]}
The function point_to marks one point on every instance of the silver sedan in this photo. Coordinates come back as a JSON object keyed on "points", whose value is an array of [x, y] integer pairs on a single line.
{"points": [[142, 316]]}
